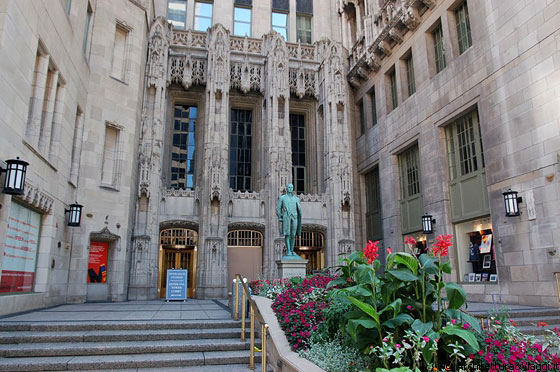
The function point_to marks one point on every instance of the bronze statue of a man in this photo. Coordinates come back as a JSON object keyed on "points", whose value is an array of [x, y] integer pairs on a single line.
{"points": [[288, 211]]}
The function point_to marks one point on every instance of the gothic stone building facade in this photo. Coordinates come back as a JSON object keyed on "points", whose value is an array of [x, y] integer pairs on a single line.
{"points": [[177, 124], [455, 103]]}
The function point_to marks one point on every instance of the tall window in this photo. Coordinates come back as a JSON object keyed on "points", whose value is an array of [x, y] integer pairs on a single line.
{"points": [[77, 147], [463, 27], [464, 146], [118, 68], [361, 108], [177, 13], [202, 16], [85, 41], [297, 129], [183, 147], [393, 87], [111, 153], [240, 148], [437, 35], [280, 23], [410, 173], [242, 21], [373, 206], [373, 105], [67, 5], [303, 29], [410, 75]]}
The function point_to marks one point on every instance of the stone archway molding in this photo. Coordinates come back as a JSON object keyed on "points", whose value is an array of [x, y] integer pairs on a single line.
{"points": [[246, 226], [178, 224], [105, 235]]}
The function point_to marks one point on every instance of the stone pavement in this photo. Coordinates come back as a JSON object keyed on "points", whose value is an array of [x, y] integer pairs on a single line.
{"points": [[197, 335]]}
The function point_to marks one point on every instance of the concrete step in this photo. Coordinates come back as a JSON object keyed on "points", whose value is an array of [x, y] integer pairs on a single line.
{"points": [[118, 335], [8, 326], [208, 368], [532, 330], [126, 347], [103, 362], [531, 313], [532, 321]]}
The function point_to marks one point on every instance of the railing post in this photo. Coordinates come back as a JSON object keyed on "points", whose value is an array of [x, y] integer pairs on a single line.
{"points": [[263, 341], [243, 313], [557, 285], [252, 345], [236, 303]]}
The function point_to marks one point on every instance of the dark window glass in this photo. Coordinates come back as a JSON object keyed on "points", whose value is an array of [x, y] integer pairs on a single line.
{"points": [[410, 173], [240, 148], [463, 27], [410, 76], [183, 147], [373, 106], [297, 128], [439, 49], [394, 96]]}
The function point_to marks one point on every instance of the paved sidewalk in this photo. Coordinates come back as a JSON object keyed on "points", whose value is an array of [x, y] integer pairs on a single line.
{"points": [[153, 310]]}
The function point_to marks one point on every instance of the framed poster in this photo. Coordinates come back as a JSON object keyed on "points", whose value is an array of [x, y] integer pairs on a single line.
{"points": [[478, 278], [485, 243], [486, 261], [20, 250], [493, 277], [97, 263], [472, 277], [484, 277]]}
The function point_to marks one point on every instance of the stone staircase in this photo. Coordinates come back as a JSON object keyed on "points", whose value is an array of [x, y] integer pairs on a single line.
{"points": [[527, 320], [193, 345]]}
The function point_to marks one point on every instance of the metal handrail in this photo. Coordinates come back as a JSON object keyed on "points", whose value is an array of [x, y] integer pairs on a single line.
{"points": [[246, 295], [556, 273]]}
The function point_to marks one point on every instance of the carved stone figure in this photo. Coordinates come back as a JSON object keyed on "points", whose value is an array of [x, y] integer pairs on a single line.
{"points": [[289, 215]]}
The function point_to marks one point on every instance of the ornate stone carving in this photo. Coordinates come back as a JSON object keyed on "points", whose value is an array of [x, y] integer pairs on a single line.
{"points": [[429, 3], [373, 62], [246, 76], [181, 70], [313, 227], [218, 58], [246, 226], [396, 35], [245, 45], [178, 192], [250, 195], [178, 224], [36, 197], [277, 62], [410, 18], [383, 48], [160, 35], [189, 38], [105, 235], [311, 197], [345, 247]]}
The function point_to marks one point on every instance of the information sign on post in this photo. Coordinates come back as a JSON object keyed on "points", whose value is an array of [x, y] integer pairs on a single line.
{"points": [[176, 288]]}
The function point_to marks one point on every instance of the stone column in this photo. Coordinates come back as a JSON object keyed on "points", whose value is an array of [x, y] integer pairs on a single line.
{"points": [[338, 164], [277, 161], [214, 191], [145, 244]]}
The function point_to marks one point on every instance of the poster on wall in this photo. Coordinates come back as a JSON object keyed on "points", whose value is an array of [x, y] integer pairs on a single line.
{"points": [[20, 250], [485, 243], [97, 263]]}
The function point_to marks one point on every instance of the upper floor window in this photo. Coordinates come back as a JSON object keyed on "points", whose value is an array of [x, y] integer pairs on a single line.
{"points": [[177, 13], [463, 27], [67, 5], [464, 146], [410, 172], [411, 85], [110, 167], [297, 129], [240, 150], [373, 106], [393, 89], [242, 21], [202, 16], [280, 23], [89, 16], [183, 147], [361, 108], [120, 46], [303, 29], [439, 50]]}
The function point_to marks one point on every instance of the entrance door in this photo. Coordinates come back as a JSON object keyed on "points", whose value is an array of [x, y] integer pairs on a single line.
{"points": [[177, 251], [244, 254], [310, 246]]}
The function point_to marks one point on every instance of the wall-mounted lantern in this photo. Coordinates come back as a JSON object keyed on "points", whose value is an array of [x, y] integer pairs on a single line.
{"points": [[511, 201], [14, 182], [74, 214], [428, 224]]}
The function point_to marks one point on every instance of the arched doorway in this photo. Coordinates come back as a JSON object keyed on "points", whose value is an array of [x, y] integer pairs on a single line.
{"points": [[177, 250], [311, 246], [245, 254]]}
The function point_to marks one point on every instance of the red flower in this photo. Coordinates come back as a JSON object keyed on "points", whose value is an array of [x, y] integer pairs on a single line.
{"points": [[410, 241], [371, 251], [541, 324], [441, 246], [389, 250]]}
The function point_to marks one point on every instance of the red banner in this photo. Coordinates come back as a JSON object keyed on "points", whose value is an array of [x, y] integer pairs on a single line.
{"points": [[16, 281], [97, 264]]}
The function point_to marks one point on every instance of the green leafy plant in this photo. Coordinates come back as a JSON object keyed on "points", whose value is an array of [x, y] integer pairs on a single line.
{"points": [[411, 295], [333, 356]]}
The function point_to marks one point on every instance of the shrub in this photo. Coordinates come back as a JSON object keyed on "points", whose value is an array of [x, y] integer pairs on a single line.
{"points": [[332, 356]]}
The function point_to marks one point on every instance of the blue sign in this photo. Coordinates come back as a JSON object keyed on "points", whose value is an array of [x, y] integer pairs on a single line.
{"points": [[176, 288]]}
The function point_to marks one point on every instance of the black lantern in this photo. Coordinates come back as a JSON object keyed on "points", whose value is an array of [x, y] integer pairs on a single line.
{"points": [[427, 224], [511, 201], [74, 214], [14, 182]]}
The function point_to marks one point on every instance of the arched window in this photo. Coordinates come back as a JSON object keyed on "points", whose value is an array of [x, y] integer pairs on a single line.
{"points": [[245, 254]]}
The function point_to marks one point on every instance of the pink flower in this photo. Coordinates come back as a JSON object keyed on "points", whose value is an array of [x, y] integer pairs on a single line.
{"points": [[410, 241], [371, 251], [426, 338], [384, 340], [409, 307], [398, 346], [389, 250], [453, 321], [466, 326]]}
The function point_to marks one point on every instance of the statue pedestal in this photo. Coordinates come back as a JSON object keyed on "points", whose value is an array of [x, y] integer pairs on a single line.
{"points": [[290, 267]]}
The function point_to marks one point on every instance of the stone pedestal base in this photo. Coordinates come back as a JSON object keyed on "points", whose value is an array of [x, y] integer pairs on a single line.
{"points": [[290, 268]]}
